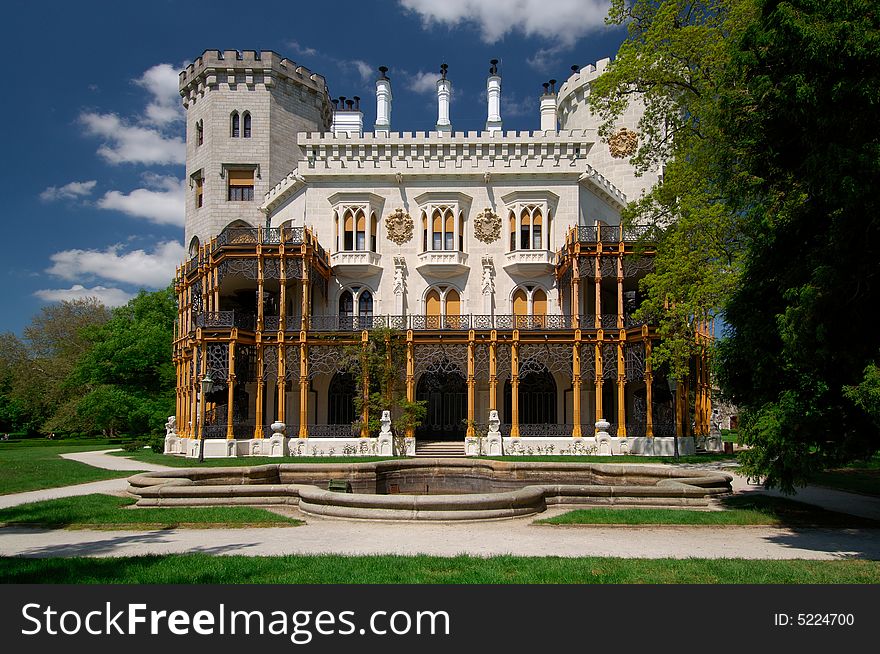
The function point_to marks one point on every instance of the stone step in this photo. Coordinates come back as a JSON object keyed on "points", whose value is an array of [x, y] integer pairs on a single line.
{"points": [[439, 448]]}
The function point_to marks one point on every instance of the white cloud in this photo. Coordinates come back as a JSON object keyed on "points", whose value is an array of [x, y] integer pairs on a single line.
{"points": [[125, 143], [152, 270], [162, 82], [364, 69], [161, 202], [564, 21], [546, 59], [301, 50], [70, 191], [423, 82], [513, 107], [110, 297]]}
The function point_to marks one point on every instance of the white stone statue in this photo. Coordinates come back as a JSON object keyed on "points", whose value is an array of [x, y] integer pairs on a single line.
{"points": [[386, 438], [487, 285], [493, 436], [171, 426]]}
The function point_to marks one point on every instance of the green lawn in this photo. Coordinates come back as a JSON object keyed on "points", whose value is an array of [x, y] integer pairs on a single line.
{"points": [[109, 512], [739, 510], [628, 458], [148, 456], [332, 569], [858, 477], [35, 464]]}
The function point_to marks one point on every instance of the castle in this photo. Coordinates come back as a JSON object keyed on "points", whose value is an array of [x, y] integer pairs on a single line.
{"points": [[497, 257]]}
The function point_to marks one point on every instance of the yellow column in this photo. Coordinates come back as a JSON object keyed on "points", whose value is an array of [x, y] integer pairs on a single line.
{"points": [[471, 385], [258, 430], [201, 396], [649, 386], [230, 381], [304, 305], [365, 415], [576, 384], [598, 359], [620, 290], [621, 385], [303, 386], [514, 385], [281, 383], [598, 318], [260, 302], [575, 293], [698, 396], [282, 292], [410, 376], [493, 371]]}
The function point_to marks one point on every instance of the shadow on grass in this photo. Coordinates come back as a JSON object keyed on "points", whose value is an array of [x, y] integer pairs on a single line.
{"points": [[791, 513]]}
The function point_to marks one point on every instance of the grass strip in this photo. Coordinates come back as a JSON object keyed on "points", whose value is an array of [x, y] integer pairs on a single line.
{"points": [[753, 509], [333, 569], [26, 467], [109, 512], [147, 456]]}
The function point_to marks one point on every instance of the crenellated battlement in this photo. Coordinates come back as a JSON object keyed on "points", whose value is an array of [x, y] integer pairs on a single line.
{"points": [[247, 67], [581, 78]]}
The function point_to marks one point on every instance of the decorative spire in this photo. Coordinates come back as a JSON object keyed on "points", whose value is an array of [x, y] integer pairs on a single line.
{"points": [[443, 69]]}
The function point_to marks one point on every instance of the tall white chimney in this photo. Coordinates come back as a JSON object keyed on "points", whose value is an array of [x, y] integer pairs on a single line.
{"points": [[548, 107], [383, 103], [493, 98], [444, 90]]}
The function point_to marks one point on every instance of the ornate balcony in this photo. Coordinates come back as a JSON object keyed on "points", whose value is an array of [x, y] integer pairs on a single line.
{"points": [[442, 263], [528, 263], [355, 263]]}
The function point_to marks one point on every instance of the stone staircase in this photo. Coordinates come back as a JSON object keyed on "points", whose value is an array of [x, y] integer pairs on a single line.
{"points": [[440, 449]]}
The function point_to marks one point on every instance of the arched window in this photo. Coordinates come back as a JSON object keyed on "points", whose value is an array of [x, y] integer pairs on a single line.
{"points": [[525, 226], [235, 125], [374, 227], [512, 221], [539, 307], [424, 232], [348, 230], [437, 231], [520, 303], [247, 124], [340, 399], [194, 246], [461, 232], [336, 227], [532, 228], [537, 224], [361, 224], [432, 303], [449, 231], [200, 132], [453, 309], [529, 305], [365, 306], [346, 305]]}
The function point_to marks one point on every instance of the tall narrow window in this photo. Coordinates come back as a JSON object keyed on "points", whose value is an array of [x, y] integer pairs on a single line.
{"points": [[200, 132], [241, 185], [348, 228], [520, 303], [200, 188], [512, 231], [346, 310], [361, 243], [525, 226], [461, 232], [537, 224], [365, 306], [235, 125], [424, 232], [437, 231], [449, 231], [539, 307], [374, 226], [247, 125], [453, 309]]}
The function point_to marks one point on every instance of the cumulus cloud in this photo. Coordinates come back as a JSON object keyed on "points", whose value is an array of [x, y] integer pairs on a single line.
{"points": [[514, 107], [546, 59], [70, 191], [109, 297], [422, 82], [128, 143], [364, 69], [565, 21], [301, 50], [150, 269], [162, 201], [162, 83]]}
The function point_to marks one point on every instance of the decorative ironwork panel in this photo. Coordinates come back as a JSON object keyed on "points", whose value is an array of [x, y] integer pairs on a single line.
{"points": [[634, 361], [608, 266], [588, 361], [535, 357], [397, 322], [638, 424], [218, 361], [239, 267], [482, 322], [587, 234], [629, 320], [609, 233], [587, 268], [291, 362], [634, 265], [270, 362], [197, 303], [609, 321], [333, 431], [271, 268], [293, 267], [609, 361], [325, 360], [272, 236], [245, 363], [481, 361], [504, 322], [441, 358], [502, 361], [292, 235], [545, 429], [244, 320], [215, 319], [636, 232]]}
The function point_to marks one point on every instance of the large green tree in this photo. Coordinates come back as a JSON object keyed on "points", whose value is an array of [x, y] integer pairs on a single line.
{"points": [[801, 116]]}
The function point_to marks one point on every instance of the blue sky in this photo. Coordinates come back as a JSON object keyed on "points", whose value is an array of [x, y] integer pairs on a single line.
{"points": [[92, 160]]}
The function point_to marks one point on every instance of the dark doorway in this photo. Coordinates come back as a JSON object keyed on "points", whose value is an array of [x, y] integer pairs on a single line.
{"points": [[537, 398], [446, 396], [340, 399]]}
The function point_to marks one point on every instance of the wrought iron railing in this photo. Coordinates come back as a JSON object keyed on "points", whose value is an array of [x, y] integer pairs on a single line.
{"points": [[545, 429], [292, 235], [271, 323], [334, 431], [612, 233], [664, 428], [636, 429], [609, 321]]}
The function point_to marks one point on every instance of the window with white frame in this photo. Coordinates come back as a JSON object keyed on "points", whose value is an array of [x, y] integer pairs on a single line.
{"points": [[529, 226], [356, 228]]}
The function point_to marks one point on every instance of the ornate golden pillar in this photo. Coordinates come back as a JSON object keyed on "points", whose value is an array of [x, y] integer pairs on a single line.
{"points": [[281, 382], [576, 385], [303, 386], [620, 291], [649, 386], [514, 385], [471, 386], [282, 291], [698, 396], [304, 305], [200, 395], [260, 284], [230, 382], [598, 318], [575, 292], [621, 385], [598, 382], [493, 370], [365, 414], [258, 429]]}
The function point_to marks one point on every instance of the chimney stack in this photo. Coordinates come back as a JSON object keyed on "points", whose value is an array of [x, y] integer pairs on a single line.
{"points": [[347, 117], [493, 97], [383, 103], [548, 107], [444, 91]]}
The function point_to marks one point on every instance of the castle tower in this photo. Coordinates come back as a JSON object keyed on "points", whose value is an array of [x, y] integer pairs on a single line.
{"points": [[243, 111]]}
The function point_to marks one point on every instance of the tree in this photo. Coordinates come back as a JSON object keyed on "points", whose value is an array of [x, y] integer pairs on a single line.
{"points": [[674, 62], [801, 358]]}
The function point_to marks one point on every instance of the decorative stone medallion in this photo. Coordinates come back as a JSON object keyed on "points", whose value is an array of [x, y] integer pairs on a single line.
{"points": [[623, 143], [487, 226], [399, 226]]}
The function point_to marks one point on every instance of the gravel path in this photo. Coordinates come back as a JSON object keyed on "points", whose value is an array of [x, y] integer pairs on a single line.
{"points": [[102, 459]]}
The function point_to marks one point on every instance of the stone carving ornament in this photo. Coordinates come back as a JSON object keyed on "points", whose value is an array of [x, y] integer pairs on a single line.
{"points": [[623, 143], [487, 226], [399, 226]]}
